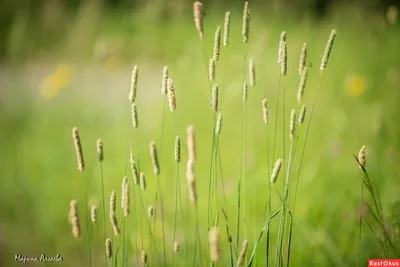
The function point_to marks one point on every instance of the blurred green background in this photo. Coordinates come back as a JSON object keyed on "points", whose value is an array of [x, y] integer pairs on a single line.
{"points": [[68, 63]]}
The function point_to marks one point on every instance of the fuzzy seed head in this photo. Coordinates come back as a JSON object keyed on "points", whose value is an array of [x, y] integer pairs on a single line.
{"points": [[135, 174], [276, 170], [302, 85], [252, 73], [242, 255], [114, 224], [361, 156], [303, 59], [246, 22], [284, 59], [392, 14], [134, 78], [191, 180], [218, 124], [264, 104], [244, 92], [217, 43], [135, 121], [154, 158], [280, 50], [143, 183], [150, 211], [302, 114], [108, 248], [177, 247], [191, 143], [211, 70], [292, 125], [100, 151], [177, 154], [226, 28], [171, 95], [214, 97], [144, 257], [164, 82], [328, 49], [215, 251], [74, 218], [78, 149], [198, 14], [125, 196], [113, 203], [93, 214]]}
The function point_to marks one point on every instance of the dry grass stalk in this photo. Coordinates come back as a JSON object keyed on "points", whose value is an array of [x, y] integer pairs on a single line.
{"points": [[154, 158], [280, 50], [276, 170], [171, 95], [125, 196], [191, 180], [284, 59], [191, 143], [252, 73], [292, 125], [100, 150], [164, 82], [78, 149], [328, 49], [134, 78], [74, 218], [108, 248], [226, 28], [215, 251], [198, 18], [303, 59]]}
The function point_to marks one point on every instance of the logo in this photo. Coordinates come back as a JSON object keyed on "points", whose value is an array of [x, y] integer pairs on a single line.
{"points": [[383, 262]]}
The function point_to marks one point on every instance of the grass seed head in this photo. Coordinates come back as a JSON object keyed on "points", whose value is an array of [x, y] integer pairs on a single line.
{"points": [[144, 257], [108, 248], [276, 170], [177, 247], [226, 28], [143, 183], [264, 104], [392, 14], [302, 114], [215, 251], [78, 149], [135, 174], [191, 180], [135, 121], [198, 14], [74, 219], [246, 22], [242, 255], [134, 78], [244, 92], [113, 203], [125, 196], [100, 150], [302, 85], [211, 70], [217, 43], [252, 73], [361, 156], [114, 224], [171, 95], [164, 82], [93, 214], [218, 124], [328, 49], [154, 158], [292, 125], [214, 97], [284, 59], [280, 50], [150, 211], [177, 154], [303, 59]]}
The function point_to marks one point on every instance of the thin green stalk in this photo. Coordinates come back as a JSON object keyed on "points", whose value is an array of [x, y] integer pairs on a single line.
{"points": [[86, 222], [243, 152], [104, 205], [176, 208], [238, 214], [228, 234], [276, 119], [360, 223], [289, 238], [284, 129], [268, 226], [134, 199], [198, 239], [162, 218], [210, 184], [123, 241]]}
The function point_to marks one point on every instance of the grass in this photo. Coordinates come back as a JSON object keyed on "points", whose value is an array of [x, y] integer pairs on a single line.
{"points": [[39, 158]]}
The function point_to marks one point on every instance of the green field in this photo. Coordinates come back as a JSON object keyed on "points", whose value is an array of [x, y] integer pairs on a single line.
{"points": [[74, 71]]}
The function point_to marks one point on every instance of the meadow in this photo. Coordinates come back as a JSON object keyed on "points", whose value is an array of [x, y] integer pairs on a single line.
{"points": [[66, 71]]}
